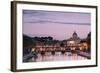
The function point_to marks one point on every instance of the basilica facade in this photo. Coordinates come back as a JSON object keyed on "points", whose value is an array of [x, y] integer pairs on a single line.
{"points": [[74, 41]]}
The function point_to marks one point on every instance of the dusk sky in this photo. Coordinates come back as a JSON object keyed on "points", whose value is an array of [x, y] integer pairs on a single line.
{"points": [[59, 25]]}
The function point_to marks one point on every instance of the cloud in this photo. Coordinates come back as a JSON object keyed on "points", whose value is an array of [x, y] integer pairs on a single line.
{"points": [[40, 16], [41, 21]]}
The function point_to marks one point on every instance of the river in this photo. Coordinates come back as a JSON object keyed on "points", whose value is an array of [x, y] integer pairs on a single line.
{"points": [[57, 57]]}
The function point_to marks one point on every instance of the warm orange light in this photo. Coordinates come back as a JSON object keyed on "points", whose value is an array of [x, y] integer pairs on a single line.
{"points": [[33, 49]]}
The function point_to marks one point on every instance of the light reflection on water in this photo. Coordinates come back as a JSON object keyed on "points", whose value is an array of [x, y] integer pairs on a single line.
{"points": [[58, 57]]}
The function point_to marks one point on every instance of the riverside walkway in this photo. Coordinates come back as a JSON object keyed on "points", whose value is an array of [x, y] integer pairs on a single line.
{"points": [[84, 54]]}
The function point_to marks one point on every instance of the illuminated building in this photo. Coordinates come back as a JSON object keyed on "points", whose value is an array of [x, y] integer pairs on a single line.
{"points": [[74, 41]]}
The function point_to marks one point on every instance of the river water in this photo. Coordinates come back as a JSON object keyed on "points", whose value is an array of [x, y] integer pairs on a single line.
{"points": [[57, 57]]}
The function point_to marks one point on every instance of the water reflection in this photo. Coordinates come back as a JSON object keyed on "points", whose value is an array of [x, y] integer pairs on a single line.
{"points": [[57, 57]]}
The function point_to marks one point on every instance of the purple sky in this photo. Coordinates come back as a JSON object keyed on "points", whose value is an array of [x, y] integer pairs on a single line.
{"points": [[59, 25]]}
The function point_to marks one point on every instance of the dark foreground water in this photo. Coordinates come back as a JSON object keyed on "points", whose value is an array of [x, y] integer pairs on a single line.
{"points": [[57, 57]]}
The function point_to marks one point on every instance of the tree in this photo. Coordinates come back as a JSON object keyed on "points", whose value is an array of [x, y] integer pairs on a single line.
{"points": [[50, 38], [89, 41], [27, 41], [27, 44], [62, 44]]}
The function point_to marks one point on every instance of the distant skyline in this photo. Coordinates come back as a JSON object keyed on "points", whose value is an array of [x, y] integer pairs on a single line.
{"points": [[57, 24]]}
